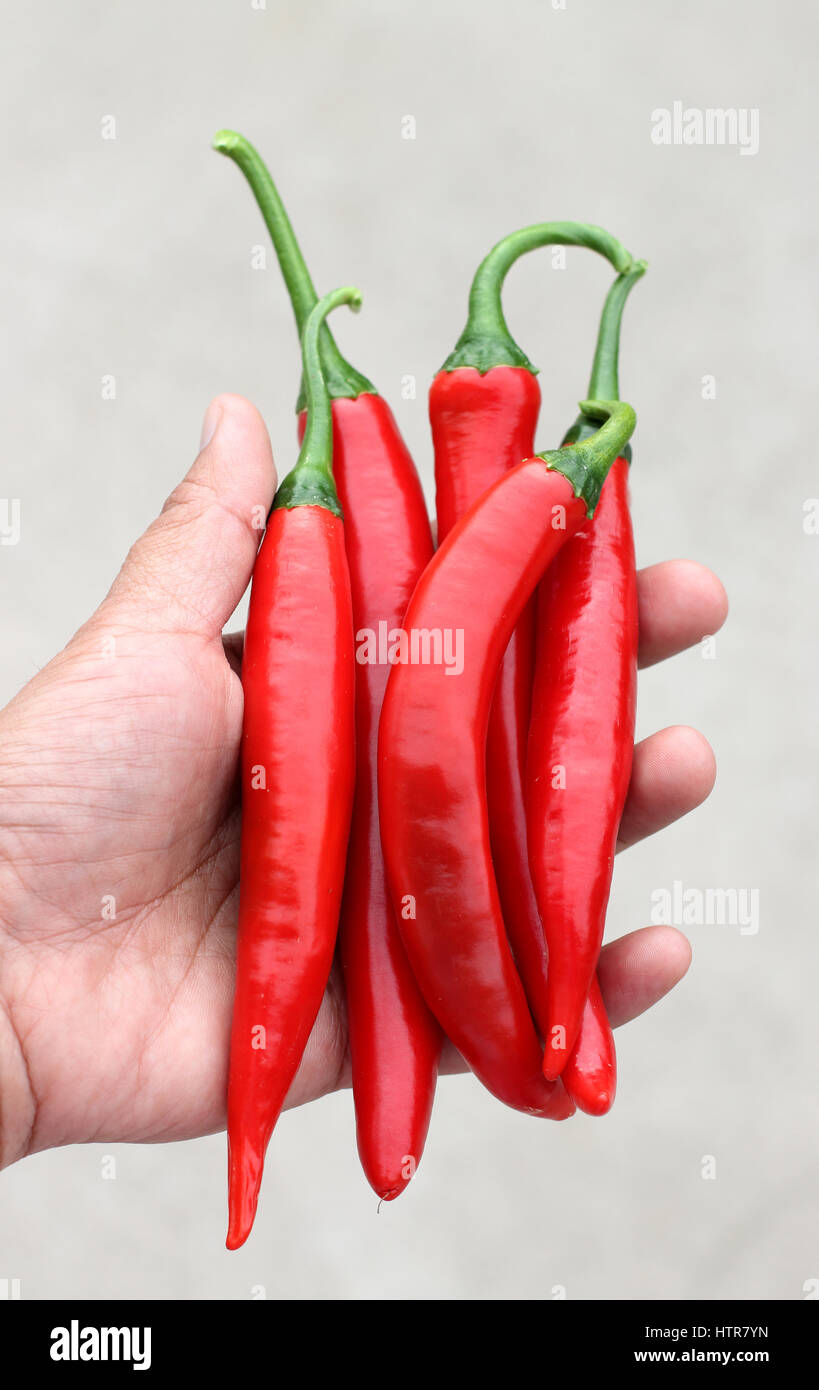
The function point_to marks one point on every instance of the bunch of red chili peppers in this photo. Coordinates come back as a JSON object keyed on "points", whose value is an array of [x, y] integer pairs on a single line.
{"points": [[437, 743]]}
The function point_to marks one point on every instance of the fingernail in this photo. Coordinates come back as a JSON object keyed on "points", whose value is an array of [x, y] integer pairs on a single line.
{"points": [[213, 415]]}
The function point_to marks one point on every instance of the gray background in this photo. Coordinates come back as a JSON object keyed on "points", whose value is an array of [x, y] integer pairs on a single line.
{"points": [[132, 257]]}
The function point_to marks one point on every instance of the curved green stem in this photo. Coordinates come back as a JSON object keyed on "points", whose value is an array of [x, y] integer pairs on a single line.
{"points": [[587, 462], [604, 383], [310, 483], [342, 379], [486, 341]]}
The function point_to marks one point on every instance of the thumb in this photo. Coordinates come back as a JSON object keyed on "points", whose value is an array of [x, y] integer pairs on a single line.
{"points": [[189, 570]]}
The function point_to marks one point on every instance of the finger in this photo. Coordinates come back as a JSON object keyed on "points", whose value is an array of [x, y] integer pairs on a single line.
{"points": [[672, 773], [638, 969], [680, 602], [634, 973], [191, 567]]}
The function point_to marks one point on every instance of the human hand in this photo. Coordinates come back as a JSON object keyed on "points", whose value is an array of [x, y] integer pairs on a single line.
{"points": [[119, 830]]}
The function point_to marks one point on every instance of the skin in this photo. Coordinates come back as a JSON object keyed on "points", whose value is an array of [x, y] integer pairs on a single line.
{"points": [[119, 830]]}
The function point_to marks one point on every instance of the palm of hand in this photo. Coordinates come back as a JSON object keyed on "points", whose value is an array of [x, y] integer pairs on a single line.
{"points": [[125, 854]]}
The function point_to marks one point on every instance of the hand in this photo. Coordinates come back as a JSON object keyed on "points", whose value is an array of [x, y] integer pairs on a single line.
{"points": [[119, 830]]}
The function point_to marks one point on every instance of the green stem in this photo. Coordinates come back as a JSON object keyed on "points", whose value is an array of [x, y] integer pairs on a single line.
{"points": [[342, 379], [486, 341], [587, 462], [604, 383], [310, 483]]}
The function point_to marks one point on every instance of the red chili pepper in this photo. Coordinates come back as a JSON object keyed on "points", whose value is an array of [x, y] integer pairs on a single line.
{"points": [[590, 1075], [395, 1042], [581, 739], [298, 774], [432, 778], [483, 408]]}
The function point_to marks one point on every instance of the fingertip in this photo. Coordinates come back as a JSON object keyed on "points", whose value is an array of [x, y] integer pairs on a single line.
{"points": [[677, 952], [229, 406], [666, 955], [210, 424], [639, 969], [719, 597], [705, 590], [673, 772], [681, 602], [691, 750], [235, 463]]}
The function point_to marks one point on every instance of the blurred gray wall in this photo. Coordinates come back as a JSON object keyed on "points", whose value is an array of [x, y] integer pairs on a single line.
{"points": [[132, 257]]}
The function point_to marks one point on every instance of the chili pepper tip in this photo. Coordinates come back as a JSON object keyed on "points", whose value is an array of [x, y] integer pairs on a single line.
{"points": [[598, 1104], [240, 1225], [244, 1180]]}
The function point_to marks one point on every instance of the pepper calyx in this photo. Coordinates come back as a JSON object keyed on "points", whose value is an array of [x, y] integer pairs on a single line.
{"points": [[586, 463], [486, 341], [310, 482]]}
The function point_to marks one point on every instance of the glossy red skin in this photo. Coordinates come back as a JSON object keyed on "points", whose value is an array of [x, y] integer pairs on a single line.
{"points": [[482, 426], [395, 1042], [583, 709], [590, 1075], [432, 781], [298, 681]]}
